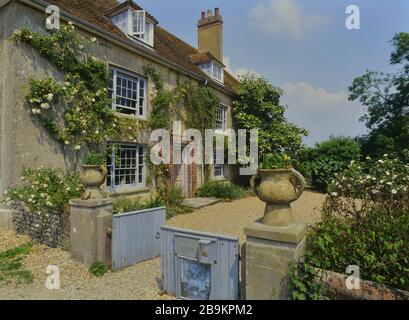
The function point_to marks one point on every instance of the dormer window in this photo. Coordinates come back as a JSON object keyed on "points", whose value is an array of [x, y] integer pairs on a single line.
{"points": [[141, 27], [134, 22], [214, 70]]}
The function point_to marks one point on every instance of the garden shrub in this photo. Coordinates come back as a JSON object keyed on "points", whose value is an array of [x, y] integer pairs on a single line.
{"points": [[365, 223], [220, 190], [44, 198], [173, 201], [320, 164]]}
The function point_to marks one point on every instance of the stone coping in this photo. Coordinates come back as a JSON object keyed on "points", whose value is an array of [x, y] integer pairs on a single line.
{"points": [[291, 234], [335, 287], [91, 203]]}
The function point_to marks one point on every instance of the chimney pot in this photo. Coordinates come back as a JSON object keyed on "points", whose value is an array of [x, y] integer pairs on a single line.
{"points": [[209, 13], [216, 11], [203, 15]]}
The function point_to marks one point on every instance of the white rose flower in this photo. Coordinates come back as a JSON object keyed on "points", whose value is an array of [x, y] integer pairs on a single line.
{"points": [[45, 106], [77, 147], [67, 143], [50, 97], [394, 191], [5, 193], [334, 194], [93, 39]]}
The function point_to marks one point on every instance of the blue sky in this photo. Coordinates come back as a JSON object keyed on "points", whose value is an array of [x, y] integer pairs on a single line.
{"points": [[301, 46]]}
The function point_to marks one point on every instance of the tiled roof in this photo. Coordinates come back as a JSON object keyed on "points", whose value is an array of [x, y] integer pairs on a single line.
{"points": [[203, 57], [167, 46]]}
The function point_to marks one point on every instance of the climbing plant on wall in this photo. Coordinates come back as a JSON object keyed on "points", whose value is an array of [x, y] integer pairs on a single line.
{"points": [[194, 104], [75, 109]]}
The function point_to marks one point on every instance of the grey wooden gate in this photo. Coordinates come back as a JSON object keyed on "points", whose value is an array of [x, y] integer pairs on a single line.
{"points": [[199, 266], [136, 236]]}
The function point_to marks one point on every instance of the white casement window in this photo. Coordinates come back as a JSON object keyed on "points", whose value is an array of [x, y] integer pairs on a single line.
{"points": [[141, 27], [138, 23], [219, 167], [214, 70], [217, 72], [128, 93], [126, 166], [221, 118]]}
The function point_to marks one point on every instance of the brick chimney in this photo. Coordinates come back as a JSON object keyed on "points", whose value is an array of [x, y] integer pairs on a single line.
{"points": [[210, 33]]}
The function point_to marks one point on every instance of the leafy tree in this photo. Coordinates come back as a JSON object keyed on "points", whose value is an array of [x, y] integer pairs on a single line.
{"points": [[257, 106], [386, 97], [321, 163]]}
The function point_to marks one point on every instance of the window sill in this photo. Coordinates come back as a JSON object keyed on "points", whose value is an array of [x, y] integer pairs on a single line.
{"points": [[126, 191], [128, 116]]}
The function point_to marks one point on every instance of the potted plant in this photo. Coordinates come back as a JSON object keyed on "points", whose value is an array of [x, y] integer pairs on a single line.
{"points": [[278, 184], [94, 173]]}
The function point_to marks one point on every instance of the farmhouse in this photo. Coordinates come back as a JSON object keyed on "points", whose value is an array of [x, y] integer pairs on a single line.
{"points": [[130, 39]]}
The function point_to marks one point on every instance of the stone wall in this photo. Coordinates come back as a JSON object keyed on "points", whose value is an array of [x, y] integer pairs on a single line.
{"points": [[48, 229]]}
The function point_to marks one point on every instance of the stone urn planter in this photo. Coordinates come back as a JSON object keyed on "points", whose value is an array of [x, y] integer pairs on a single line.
{"points": [[93, 177], [278, 188]]}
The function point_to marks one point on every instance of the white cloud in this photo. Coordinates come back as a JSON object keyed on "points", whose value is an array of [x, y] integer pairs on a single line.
{"points": [[239, 71], [285, 16], [322, 112]]}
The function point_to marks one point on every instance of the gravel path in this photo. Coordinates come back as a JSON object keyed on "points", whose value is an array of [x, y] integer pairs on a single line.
{"points": [[140, 281], [231, 217]]}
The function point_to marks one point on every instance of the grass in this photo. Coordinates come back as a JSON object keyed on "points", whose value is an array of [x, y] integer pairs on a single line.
{"points": [[11, 266]]}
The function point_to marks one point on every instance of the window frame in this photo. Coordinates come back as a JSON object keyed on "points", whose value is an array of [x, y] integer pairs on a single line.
{"points": [[132, 76], [216, 166], [113, 169], [148, 34], [211, 71], [224, 121]]}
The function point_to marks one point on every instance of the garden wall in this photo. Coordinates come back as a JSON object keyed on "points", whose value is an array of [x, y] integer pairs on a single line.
{"points": [[49, 229]]}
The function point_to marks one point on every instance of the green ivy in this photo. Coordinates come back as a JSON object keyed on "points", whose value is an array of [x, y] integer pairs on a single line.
{"points": [[74, 111]]}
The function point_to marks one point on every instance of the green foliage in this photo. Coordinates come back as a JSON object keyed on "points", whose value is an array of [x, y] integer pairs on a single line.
{"points": [[45, 190], [276, 161], [94, 159], [74, 112], [221, 190], [173, 201], [98, 269], [320, 164], [366, 223], [11, 266], [385, 97], [304, 281], [200, 104], [257, 106], [124, 205]]}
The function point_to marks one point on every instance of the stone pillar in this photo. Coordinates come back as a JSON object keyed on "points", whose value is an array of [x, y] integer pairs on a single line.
{"points": [[6, 218], [269, 253], [90, 223]]}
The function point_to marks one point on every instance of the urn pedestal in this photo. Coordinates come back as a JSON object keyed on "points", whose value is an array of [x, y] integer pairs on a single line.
{"points": [[276, 241]]}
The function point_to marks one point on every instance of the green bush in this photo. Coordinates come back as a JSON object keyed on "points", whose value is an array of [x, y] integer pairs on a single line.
{"points": [[45, 190], [94, 159], [220, 190], [320, 164], [98, 269], [124, 205], [365, 223]]}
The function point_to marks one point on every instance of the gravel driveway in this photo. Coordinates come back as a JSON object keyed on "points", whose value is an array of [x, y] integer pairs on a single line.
{"points": [[140, 281]]}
